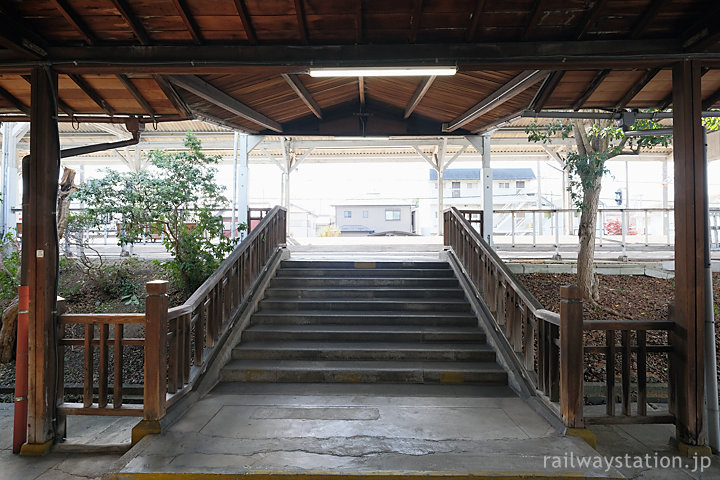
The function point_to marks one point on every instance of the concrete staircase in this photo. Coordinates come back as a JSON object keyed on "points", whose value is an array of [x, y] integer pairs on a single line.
{"points": [[364, 322]]}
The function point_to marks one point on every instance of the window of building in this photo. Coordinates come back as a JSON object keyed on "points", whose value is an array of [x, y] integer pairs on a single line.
{"points": [[520, 184], [469, 185], [456, 185], [392, 214], [347, 214], [503, 184], [365, 214], [456, 189], [456, 194]]}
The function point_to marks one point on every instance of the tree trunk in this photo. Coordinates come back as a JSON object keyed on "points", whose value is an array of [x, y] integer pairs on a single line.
{"points": [[8, 332], [67, 187], [587, 281]]}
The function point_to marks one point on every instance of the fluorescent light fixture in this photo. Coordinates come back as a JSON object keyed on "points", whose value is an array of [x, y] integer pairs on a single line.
{"points": [[382, 72]]}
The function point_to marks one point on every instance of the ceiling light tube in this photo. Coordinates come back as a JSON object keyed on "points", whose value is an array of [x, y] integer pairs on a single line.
{"points": [[382, 71]]}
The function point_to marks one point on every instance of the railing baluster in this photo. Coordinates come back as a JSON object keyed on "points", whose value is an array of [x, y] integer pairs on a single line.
{"points": [[642, 373], [118, 366], [185, 320], [610, 372], [172, 376], [626, 359], [103, 367], [89, 369]]}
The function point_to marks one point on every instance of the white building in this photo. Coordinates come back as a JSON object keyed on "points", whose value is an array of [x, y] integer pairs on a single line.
{"points": [[367, 217]]}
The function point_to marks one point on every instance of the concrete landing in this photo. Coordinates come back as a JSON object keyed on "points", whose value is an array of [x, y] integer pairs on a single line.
{"points": [[344, 431]]}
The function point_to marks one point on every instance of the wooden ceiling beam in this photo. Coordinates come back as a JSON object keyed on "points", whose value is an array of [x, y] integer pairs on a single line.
{"points": [[545, 91], [415, 19], [75, 20], [594, 84], [303, 93], [536, 10], [417, 97], [703, 33], [242, 12], [189, 21], [174, 97], [590, 18], [210, 118], [300, 14], [511, 89], [498, 122], [635, 89], [19, 37], [92, 93], [647, 16], [14, 101], [214, 95], [137, 95], [475, 21], [359, 24], [133, 22]]}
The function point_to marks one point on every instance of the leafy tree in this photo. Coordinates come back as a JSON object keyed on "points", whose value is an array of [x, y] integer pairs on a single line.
{"points": [[596, 141], [177, 196]]}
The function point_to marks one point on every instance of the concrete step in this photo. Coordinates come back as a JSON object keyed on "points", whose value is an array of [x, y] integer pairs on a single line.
{"points": [[478, 373], [366, 272], [363, 265], [388, 351], [364, 292], [323, 317], [363, 333], [345, 304], [334, 281]]}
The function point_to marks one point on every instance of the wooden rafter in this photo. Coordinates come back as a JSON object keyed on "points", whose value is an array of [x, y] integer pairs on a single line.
{"points": [[92, 93], [711, 100], [498, 122], [532, 22], [173, 96], [361, 90], [137, 28], [702, 33], [594, 84], [137, 95], [590, 18], [75, 20], [188, 20], [14, 101], [635, 89], [300, 14], [475, 21], [17, 36], [359, 26], [646, 18], [210, 118], [511, 89], [214, 95], [242, 11], [303, 93], [420, 92], [545, 91], [415, 19]]}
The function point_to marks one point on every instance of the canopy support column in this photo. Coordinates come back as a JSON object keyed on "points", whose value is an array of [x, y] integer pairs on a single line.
{"points": [[691, 254], [40, 259]]}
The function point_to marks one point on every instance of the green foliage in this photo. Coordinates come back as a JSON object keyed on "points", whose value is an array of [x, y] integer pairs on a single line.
{"points": [[177, 196], [9, 266], [586, 163]]}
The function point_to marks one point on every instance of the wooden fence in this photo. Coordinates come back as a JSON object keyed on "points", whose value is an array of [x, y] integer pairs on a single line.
{"points": [[178, 343], [549, 347]]}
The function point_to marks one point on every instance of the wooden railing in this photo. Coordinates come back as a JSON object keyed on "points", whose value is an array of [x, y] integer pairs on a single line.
{"points": [[179, 342], [548, 347]]}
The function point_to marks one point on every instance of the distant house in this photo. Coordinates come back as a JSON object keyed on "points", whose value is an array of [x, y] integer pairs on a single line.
{"points": [[365, 217], [467, 182]]}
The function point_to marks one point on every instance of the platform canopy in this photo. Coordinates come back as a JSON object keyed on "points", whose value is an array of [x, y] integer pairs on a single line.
{"points": [[245, 63]]}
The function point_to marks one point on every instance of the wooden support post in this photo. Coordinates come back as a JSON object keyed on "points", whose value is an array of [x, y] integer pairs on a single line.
{"points": [[40, 257], [690, 251], [156, 328], [571, 356]]}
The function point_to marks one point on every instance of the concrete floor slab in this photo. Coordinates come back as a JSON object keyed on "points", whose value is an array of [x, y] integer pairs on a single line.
{"points": [[242, 429]]}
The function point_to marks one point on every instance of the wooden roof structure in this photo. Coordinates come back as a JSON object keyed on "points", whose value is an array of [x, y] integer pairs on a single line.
{"points": [[243, 63]]}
